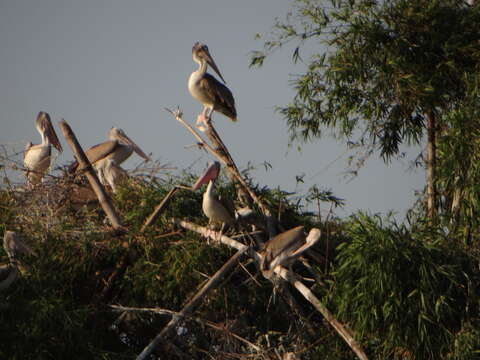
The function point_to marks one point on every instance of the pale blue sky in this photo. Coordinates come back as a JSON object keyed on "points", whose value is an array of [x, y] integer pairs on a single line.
{"points": [[104, 63]]}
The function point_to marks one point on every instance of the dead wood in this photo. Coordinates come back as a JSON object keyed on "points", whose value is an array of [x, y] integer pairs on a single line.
{"points": [[160, 207], [189, 317], [291, 277], [220, 151], [85, 165], [193, 303]]}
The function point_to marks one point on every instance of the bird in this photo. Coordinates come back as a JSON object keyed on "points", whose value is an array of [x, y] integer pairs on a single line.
{"points": [[36, 158], [211, 205], [118, 148], [283, 249], [13, 244], [110, 173], [205, 88]]}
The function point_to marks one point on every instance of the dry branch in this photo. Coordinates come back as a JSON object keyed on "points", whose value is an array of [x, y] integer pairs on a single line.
{"points": [[224, 157], [97, 187], [160, 207], [192, 304], [194, 318], [288, 276]]}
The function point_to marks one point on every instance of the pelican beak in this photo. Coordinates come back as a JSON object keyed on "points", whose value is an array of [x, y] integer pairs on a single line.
{"points": [[136, 148], [211, 62], [45, 124], [210, 174]]}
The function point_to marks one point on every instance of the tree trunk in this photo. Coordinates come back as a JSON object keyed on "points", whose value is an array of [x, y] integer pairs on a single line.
{"points": [[431, 157]]}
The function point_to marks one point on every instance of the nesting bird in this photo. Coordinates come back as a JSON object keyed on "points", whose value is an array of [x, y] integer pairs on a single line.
{"points": [[37, 158], [283, 249], [211, 206], [110, 173], [205, 88], [13, 245], [107, 156]]}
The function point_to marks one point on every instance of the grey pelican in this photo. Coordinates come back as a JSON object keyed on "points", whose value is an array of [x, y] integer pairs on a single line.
{"points": [[214, 95], [36, 158], [284, 248], [211, 206], [118, 148], [13, 245], [110, 173]]}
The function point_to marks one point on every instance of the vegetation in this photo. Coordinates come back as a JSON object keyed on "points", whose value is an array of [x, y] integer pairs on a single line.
{"points": [[393, 72]]}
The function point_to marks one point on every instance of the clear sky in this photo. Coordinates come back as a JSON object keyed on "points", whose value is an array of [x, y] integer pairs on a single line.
{"points": [[104, 63]]}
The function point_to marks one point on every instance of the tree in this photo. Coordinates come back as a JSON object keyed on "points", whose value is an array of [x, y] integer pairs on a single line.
{"points": [[388, 71]]}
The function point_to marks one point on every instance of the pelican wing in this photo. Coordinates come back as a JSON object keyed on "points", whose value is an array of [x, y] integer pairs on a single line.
{"points": [[278, 244], [220, 95], [100, 151]]}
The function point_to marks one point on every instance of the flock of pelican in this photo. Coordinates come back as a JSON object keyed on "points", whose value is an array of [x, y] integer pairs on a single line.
{"points": [[106, 158]]}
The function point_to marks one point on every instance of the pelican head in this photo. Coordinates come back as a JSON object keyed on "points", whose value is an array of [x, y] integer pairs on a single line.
{"points": [[45, 128], [200, 54], [209, 175], [120, 136]]}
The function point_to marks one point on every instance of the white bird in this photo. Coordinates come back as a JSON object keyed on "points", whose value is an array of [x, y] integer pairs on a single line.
{"points": [[13, 245], [36, 158], [118, 148], [211, 206], [283, 249], [214, 95], [110, 173]]}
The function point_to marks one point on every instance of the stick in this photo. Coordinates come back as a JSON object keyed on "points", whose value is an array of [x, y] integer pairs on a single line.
{"points": [[232, 168], [192, 304], [160, 207], [194, 318], [291, 278], [97, 187]]}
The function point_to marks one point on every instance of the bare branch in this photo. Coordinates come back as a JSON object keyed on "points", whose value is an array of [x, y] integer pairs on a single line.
{"points": [[192, 304], [102, 195]]}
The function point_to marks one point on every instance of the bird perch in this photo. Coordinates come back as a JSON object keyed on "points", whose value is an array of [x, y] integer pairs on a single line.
{"points": [[97, 187], [288, 276], [220, 151]]}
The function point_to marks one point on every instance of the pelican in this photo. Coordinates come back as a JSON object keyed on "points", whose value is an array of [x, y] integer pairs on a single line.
{"points": [[110, 173], [283, 249], [36, 158], [13, 245], [118, 148], [211, 206], [209, 91]]}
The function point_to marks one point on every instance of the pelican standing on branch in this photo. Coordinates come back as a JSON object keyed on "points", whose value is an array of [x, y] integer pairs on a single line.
{"points": [[13, 245], [285, 248], [211, 206], [118, 149], [37, 158], [214, 95]]}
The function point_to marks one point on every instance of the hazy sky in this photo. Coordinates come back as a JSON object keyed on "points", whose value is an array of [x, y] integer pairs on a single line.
{"points": [[118, 63]]}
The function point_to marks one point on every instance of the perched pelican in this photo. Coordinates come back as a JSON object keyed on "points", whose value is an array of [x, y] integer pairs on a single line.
{"points": [[209, 91], [36, 158], [13, 245], [284, 248], [110, 173], [211, 206], [118, 148]]}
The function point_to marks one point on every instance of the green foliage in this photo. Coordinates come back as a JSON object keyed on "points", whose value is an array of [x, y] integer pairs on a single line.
{"points": [[382, 66], [406, 290]]}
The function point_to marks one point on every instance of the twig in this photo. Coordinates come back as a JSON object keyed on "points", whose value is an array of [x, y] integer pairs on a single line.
{"points": [[160, 207], [192, 304], [194, 318], [97, 187], [288, 276]]}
